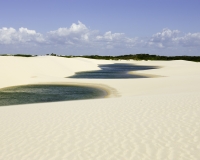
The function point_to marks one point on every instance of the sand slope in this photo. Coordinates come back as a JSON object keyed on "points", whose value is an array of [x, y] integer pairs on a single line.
{"points": [[152, 119]]}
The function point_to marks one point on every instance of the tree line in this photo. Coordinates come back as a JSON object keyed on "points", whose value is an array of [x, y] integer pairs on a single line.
{"points": [[123, 57]]}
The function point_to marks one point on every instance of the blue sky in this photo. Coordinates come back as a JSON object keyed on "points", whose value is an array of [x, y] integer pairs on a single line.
{"points": [[106, 27]]}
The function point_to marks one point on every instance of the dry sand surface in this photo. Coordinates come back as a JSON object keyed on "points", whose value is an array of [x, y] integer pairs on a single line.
{"points": [[155, 118]]}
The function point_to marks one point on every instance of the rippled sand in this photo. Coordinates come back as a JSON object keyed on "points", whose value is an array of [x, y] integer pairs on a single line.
{"points": [[145, 119]]}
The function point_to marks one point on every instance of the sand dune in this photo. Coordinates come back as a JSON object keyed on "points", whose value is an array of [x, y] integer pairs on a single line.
{"points": [[146, 119]]}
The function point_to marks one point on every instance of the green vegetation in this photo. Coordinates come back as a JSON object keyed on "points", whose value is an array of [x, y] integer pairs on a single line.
{"points": [[52, 54], [24, 55], [145, 57], [138, 57], [19, 55], [4, 55], [69, 56]]}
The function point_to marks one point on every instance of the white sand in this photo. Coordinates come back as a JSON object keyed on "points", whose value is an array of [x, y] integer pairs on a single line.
{"points": [[146, 119]]}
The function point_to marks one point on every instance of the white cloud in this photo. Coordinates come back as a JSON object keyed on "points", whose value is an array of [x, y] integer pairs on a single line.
{"points": [[80, 36], [76, 34], [190, 40], [6, 35], [74, 29], [117, 40], [23, 35], [110, 40], [174, 38], [166, 38], [109, 36]]}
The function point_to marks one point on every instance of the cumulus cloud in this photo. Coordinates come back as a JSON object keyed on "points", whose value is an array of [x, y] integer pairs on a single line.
{"points": [[190, 40], [76, 34], [117, 40], [174, 38], [109, 36], [23, 35], [110, 39], [166, 38], [79, 35]]}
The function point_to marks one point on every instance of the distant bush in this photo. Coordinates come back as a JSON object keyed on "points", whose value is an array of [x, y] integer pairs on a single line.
{"points": [[23, 55], [5, 55], [145, 57], [138, 57], [68, 56], [52, 54]]}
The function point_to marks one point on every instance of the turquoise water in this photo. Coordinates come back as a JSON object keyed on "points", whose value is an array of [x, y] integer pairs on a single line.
{"points": [[113, 71], [47, 93]]}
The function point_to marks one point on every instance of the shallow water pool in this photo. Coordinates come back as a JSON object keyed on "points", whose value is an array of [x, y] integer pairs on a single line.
{"points": [[113, 71], [47, 93]]}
